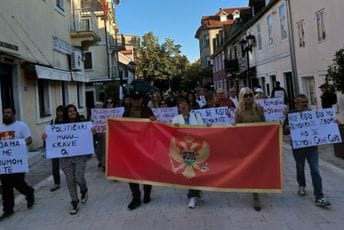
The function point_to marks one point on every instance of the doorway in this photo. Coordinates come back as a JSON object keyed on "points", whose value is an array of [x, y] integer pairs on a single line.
{"points": [[290, 89], [6, 84]]}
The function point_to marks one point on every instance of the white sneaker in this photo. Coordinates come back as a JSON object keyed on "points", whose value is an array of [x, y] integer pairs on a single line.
{"points": [[193, 202]]}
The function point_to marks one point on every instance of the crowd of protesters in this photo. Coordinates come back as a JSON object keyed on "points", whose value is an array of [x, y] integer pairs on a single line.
{"points": [[138, 105]]}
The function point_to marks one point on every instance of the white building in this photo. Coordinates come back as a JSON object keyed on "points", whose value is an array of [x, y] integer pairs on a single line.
{"points": [[317, 36]]}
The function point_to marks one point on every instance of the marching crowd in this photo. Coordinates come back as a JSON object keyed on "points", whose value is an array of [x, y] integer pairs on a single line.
{"points": [[137, 105]]}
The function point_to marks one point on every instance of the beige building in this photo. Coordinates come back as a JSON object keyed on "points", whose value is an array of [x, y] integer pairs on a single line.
{"points": [[317, 36], [207, 32], [101, 59], [41, 60]]}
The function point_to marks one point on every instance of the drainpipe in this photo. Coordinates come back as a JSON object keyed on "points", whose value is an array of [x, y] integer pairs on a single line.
{"points": [[292, 48], [107, 48]]}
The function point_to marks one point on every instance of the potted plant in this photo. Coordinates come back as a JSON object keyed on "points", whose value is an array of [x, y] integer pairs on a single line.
{"points": [[339, 147]]}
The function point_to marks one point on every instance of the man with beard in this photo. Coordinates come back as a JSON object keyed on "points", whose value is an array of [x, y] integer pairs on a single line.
{"points": [[12, 129]]}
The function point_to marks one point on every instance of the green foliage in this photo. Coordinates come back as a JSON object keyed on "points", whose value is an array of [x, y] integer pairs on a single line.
{"points": [[193, 76], [335, 72], [157, 62]]}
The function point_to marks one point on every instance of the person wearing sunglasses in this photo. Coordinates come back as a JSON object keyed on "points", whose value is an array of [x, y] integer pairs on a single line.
{"points": [[247, 112], [163, 104]]}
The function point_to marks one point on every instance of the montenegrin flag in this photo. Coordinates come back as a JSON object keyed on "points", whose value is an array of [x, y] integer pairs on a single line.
{"points": [[245, 157], [104, 5]]}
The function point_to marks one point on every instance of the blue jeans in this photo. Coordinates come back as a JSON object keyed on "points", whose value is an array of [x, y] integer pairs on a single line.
{"points": [[312, 156]]}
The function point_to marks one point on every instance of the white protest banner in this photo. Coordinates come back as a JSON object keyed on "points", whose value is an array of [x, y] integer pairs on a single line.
{"points": [[313, 127], [165, 114], [216, 116], [13, 156], [99, 116], [71, 139], [274, 108]]}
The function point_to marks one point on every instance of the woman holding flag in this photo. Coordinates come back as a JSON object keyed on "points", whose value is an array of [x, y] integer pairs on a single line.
{"points": [[247, 112]]}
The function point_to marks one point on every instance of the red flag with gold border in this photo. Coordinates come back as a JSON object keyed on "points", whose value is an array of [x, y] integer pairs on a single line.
{"points": [[240, 158]]}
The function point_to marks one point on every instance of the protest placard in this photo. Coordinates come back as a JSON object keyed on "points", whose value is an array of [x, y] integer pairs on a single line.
{"points": [[72, 139], [274, 108], [313, 127], [216, 116], [13, 156], [99, 116], [165, 114]]}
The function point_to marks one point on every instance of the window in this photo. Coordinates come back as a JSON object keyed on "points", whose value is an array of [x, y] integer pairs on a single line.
{"points": [[301, 33], [321, 25], [309, 89], [64, 91], [208, 62], [44, 98], [60, 4], [269, 25], [80, 94], [283, 22], [86, 24], [88, 60], [259, 37], [206, 41]]}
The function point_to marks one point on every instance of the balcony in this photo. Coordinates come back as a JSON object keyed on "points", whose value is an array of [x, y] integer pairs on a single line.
{"points": [[84, 28], [117, 43], [232, 65]]}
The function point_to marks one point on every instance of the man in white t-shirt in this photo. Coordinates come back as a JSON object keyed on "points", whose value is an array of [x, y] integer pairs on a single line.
{"points": [[12, 129]]}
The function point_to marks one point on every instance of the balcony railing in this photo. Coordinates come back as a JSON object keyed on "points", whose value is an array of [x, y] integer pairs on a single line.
{"points": [[84, 20], [117, 43]]}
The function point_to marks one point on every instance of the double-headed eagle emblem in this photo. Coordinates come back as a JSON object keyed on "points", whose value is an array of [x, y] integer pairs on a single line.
{"points": [[190, 156]]}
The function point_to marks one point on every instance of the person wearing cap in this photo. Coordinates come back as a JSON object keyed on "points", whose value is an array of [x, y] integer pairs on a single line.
{"points": [[221, 100], [259, 94], [328, 98], [138, 110]]}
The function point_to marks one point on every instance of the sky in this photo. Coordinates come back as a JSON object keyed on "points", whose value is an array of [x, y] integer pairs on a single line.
{"points": [[174, 19]]}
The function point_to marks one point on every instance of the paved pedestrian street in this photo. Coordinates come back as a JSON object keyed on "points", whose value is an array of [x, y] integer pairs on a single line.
{"points": [[106, 207]]}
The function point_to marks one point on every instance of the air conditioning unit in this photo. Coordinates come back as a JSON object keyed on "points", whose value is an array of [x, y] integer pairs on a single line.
{"points": [[76, 60]]}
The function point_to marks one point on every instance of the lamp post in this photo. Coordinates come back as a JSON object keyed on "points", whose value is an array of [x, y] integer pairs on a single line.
{"points": [[248, 43]]}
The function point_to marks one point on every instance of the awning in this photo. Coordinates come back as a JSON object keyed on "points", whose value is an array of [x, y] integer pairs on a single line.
{"points": [[101, 79], [79, 76], [52, 74]]}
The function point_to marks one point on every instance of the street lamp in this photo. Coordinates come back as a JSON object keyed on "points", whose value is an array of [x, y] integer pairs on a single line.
{"points": [[247, 44]]}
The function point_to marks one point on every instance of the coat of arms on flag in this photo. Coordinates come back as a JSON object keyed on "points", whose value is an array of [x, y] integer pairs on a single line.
{"points": [[190, 154]]}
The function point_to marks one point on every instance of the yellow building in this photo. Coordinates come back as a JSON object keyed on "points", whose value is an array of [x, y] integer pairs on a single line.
{"points": [[42, 45]]}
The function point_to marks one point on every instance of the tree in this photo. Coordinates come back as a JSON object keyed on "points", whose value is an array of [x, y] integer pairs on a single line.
{"points": [[191, 78], [335, 72], [160, 63]]}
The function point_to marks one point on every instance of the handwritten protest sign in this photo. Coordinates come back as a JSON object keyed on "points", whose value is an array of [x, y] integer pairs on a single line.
{"points": [[274, 108], [72, 139], [99, 116], [13, 156], [165, 114], [314, 127], [216, 116]]}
